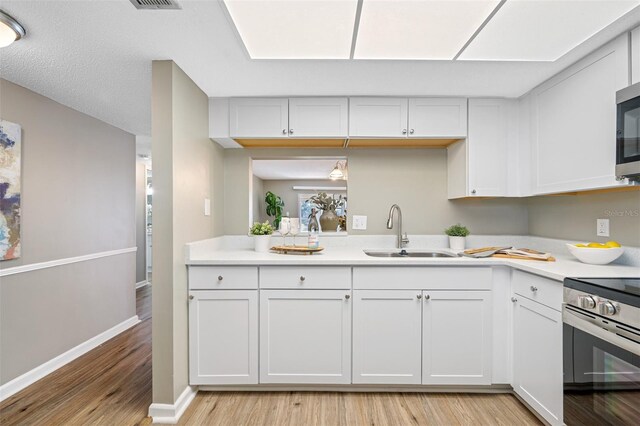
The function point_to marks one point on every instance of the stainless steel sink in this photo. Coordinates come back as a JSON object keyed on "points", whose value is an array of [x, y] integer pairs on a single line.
{"points": [[404, 253]]}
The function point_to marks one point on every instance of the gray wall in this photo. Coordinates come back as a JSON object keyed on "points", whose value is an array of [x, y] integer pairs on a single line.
{"points": [[284, 189], [78, 198], [258, 206], [416, 179], [187, 169], [141, 219], [573, 217]]}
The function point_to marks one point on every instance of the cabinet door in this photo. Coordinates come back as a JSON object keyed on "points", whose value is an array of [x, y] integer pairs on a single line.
{"points": [[318, 117], [574, 122], [438, 117], [378, 117], [305, 336], [537, 357], [259, 118], [387, 336], [487, 146], [223, 337], [456, 342]]}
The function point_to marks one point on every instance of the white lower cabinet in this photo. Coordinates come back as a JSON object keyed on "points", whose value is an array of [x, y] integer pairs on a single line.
{"points": [[537, 357], [456, 343], [387, 339], [305, 336], [223, 337]]}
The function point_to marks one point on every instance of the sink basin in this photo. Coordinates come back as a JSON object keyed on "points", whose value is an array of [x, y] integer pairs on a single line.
{"points": [[404, 253]]}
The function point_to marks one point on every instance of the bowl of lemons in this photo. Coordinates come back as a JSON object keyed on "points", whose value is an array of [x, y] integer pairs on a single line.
{"points": [[596, 253]]}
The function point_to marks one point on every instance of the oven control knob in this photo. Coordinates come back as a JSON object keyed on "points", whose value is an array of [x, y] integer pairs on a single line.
{"points": [[606, 308], [587, 302]]}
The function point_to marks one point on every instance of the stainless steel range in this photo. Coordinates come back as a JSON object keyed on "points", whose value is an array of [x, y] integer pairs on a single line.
{"points": [[601, 351]]}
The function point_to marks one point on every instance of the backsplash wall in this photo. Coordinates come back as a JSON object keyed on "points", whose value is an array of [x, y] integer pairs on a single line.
{"points": [[416, 179], [573, 217]]}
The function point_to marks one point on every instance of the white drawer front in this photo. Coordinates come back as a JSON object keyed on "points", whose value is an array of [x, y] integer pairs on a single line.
{"points": [[422, 278], [311, 277], [542, 290], [223, 277]]}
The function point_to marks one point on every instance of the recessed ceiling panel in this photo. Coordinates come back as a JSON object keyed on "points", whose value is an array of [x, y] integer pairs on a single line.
{"points": [[543, 30], [418, 29], [295, 29]]}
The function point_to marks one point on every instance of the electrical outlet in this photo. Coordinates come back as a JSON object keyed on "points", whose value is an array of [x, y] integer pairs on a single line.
{"points": [[602, 227], [207, 207], [359, 222]]}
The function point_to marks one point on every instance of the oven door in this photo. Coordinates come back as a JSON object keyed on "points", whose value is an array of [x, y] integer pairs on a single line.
{"points": [[601, 374]]}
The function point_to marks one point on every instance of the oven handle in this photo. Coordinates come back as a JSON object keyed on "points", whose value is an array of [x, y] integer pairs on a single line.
{"points": [[589, 325]]}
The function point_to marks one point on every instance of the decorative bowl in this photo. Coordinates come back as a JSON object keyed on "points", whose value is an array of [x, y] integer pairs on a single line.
{"points": [[595, 256]]}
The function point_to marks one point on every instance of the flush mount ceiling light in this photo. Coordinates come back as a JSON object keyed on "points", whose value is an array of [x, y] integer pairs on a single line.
{"points": [[339, 171], [418, 29], [543, 30], [294, 29], [10, 29]]}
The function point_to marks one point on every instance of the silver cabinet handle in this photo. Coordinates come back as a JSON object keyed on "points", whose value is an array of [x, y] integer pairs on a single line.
{"points": [[290, 131], [411, 131], [514, 300], [533, 288], [473, 192], [284, 131], [347, 296], [426, 297], [419, 296], [191, 297], [302, 278], [404, 131], [220, 277]]}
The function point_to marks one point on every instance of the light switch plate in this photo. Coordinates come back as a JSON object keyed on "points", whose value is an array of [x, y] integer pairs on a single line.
{"points": [[359, 223], [602, 227], [207, 207]]}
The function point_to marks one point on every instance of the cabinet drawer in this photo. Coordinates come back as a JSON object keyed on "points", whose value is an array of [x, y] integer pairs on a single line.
{"points": [[422, 278], [542, 290], [222, 277], [305, 277]]}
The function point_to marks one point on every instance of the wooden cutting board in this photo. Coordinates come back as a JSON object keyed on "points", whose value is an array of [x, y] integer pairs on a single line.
{"points": [[509, 256], [296, 249]]}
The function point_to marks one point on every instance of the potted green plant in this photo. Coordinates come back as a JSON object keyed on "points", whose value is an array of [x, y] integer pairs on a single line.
{"points": [[261, 233], [457, 236], [329, 220], [274, 205]]}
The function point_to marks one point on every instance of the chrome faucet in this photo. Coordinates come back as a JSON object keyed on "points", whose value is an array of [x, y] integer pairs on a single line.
{"points": [[402, 239]]}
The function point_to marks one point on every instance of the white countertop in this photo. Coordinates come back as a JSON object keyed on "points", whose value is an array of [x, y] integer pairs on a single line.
{"points": [[563, 267]]}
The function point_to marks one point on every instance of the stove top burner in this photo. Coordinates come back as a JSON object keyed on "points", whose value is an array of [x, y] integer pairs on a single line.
{"points": [[625, 285]]}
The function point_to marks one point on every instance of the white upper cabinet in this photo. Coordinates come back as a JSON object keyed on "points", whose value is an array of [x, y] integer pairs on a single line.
{"points": [[574, 122], [318, 117], [437, 117], [479, 165], [488, 146], [635, 56], [378, 117], [259, 118]]}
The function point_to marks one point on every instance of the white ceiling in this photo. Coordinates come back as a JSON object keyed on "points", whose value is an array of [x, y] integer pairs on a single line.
{"points": [[95, 56], [294, 169]]}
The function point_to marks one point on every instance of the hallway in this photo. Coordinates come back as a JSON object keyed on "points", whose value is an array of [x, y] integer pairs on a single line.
{"points": [[108, 385]]}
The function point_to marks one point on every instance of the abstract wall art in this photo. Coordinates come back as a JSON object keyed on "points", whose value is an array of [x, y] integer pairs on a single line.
{"points": [[10, 153]]}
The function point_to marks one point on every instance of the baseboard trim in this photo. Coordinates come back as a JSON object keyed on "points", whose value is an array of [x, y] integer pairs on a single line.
{"points": [[171, 413], [358, 388], [141, 284], [32, 376], [66, 261]]}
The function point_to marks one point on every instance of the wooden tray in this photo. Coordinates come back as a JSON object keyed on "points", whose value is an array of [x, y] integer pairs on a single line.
{"points": [[296, 249]]}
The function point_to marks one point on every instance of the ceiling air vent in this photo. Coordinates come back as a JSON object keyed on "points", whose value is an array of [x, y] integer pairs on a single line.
{"points": [[155, 4]]}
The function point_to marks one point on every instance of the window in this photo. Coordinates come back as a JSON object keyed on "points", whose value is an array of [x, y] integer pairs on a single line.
{"points": [[304, 209]]}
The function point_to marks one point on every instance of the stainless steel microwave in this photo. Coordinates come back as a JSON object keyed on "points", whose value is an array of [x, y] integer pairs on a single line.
{"points": [[628, 133]]}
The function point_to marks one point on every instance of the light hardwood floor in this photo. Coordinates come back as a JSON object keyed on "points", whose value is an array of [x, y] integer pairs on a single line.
{"points": [[111, 385]]}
